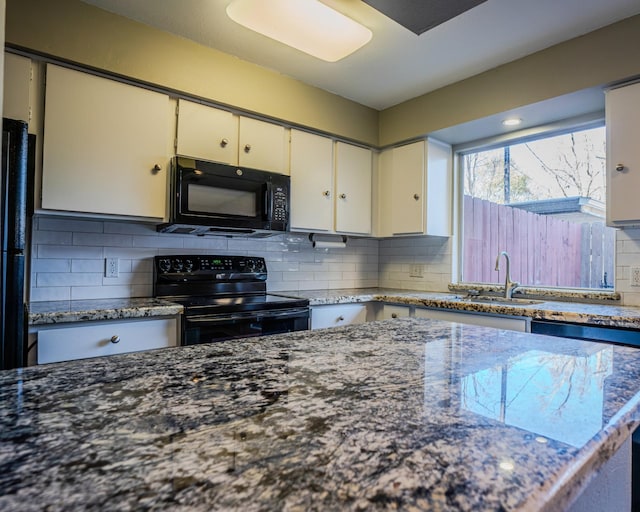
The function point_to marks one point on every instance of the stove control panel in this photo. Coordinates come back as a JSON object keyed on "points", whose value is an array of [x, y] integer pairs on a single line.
{"points": [[199, 265]]}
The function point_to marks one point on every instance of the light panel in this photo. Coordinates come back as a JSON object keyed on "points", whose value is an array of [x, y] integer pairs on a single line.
{"points": [[306, 25]]}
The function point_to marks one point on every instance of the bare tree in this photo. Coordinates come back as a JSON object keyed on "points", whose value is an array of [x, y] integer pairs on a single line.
{"points": [[577, 169]]}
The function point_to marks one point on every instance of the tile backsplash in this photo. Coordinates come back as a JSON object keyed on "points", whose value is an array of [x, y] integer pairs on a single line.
{"points": [[68, 259]]}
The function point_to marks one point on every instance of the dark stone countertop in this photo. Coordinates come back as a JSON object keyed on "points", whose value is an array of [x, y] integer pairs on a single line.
{"points": [[407, 413]]}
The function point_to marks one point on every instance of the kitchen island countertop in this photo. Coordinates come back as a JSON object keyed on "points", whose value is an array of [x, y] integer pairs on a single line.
{"points": [[412, 413]]}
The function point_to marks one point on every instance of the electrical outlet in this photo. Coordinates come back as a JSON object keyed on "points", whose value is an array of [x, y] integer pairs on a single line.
{"points": [[111, 267], [635, 276], [416, 270]]}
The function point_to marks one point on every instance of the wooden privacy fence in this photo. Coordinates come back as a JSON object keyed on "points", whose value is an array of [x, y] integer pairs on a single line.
{"points": [[544, 251]]}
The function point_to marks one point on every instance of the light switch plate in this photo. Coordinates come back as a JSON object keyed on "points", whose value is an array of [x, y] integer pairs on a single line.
{"points": [[635, 276]]}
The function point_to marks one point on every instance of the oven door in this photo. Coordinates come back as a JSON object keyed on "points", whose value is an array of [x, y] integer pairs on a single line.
{"points": [[212, 328]]}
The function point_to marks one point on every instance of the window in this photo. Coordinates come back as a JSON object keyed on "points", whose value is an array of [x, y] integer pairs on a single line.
{"points": [[542, 201]]}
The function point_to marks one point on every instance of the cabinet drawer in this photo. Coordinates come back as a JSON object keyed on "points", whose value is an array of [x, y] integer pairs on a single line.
{"points": [[334, 316], [390, 311], [92, 340]]}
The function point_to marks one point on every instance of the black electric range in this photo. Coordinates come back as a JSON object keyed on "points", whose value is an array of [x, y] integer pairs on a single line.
{"points": [[225, 297]]}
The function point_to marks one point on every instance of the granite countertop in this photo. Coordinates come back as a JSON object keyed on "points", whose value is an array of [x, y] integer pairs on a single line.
{"points": [[53, 312], [578, 312], [399, 414]]}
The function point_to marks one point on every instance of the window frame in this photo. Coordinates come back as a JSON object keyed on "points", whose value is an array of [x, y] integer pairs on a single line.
{"points": [[552, 129]]}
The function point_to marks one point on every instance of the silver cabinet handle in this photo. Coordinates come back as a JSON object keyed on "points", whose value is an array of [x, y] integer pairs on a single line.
{"points": [[115, 339], [340, 318], [343, 196], [157, 168], [394, 315], [224, 142], [620, 167], [416, 197], [247, 148], [326, 193]]}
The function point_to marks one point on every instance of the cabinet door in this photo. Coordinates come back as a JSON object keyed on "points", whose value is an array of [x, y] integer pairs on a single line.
{"points": [[102, 141], [623, 152], [17, 86], [105, 338], [407, 189], [263, 146], [311, 182], [340, 314], [519, 324], [353, 189], [385, 205], [439, 189], [207, 133]]}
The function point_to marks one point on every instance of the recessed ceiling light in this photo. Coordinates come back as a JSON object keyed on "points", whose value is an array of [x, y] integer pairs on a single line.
{"points": [[306, 25], [514, 121]]}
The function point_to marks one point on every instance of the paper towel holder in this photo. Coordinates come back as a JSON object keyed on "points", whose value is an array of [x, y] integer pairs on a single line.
{"points": [[327, 241]]}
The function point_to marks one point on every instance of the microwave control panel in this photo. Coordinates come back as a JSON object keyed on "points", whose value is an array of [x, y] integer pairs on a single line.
{"points": [[280, 204]]}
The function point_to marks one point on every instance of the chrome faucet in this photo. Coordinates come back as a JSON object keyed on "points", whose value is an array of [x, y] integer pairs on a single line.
{"points": [[509, 285]]}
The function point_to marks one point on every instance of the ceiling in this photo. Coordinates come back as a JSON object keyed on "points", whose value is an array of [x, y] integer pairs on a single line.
{"points": [[397, 64]]}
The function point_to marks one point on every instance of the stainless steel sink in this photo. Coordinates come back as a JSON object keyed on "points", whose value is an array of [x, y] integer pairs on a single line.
{"points": [[501, 300]]}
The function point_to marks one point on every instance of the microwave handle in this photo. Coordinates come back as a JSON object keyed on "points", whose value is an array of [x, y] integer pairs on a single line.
{"points": [[268, 201]]}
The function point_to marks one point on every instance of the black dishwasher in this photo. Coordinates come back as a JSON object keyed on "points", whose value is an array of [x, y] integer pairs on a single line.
{"points": [[616, 335]]}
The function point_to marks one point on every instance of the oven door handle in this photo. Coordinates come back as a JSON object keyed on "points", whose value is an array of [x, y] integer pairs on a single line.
{"points": [[257, 315]]}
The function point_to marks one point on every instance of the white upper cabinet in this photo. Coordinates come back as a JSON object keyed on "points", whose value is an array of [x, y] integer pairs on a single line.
{"points": [[263, 146], [209, 133], [415, 189], [407, 189], [353, 189], [17, 88], [106, 146], [330, 185], [311, 182], [623, 155]]}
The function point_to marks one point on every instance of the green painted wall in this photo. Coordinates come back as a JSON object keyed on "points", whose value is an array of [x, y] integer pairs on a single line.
{"points": [[78, 32]]}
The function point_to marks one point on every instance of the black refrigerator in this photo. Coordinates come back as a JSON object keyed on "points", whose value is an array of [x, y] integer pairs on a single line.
{"points": [[13, 235]]}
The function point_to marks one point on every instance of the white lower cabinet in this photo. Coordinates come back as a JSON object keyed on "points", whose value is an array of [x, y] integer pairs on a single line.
{"points": [[521, 324], [93, 339], [337, 315], [390, 311]]}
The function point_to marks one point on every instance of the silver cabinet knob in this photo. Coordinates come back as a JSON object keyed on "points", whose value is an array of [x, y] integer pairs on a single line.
{"points": [[115, 339], [394, 315], [620, 167], [157, 168], [343, 196], [416, 197], [224, 142], [340, 318], [247, 148], [326, 193]]}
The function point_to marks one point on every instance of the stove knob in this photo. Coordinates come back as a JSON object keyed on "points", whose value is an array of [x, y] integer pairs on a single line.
{"points": [[164, 265], [251, 265], [177, 265], [260, 267], [188, 265]]}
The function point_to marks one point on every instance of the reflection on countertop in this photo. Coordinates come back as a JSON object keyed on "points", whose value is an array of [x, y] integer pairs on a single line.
{"points": [[409, 413]]}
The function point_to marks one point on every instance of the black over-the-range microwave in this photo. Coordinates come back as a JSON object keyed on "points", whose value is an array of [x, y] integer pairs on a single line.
{"points": [[219, 199]]}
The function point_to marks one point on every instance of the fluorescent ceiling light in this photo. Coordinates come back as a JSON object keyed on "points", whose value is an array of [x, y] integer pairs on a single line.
{"points": [[306, 25], [512, 122]]}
